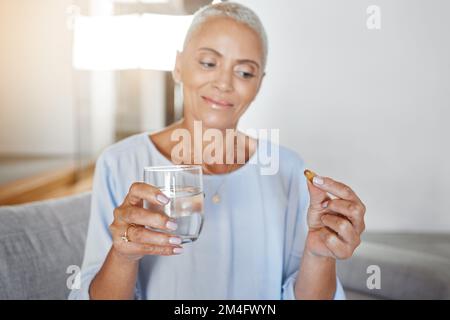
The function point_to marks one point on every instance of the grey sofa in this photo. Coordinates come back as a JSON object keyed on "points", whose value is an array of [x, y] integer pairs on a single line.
{"points": [[39, 241]]}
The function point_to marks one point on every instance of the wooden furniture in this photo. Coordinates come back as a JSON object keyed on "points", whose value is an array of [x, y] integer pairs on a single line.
{"points": [[52, 184]]}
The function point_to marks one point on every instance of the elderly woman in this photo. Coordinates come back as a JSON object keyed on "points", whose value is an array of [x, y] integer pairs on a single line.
{"points": [[271, 236]]}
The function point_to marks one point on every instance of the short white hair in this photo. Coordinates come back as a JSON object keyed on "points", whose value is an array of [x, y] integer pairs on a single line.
{"points": [[235, 11]]}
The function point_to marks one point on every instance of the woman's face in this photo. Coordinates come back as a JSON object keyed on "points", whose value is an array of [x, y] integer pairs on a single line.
{"points": [[221, 71]]}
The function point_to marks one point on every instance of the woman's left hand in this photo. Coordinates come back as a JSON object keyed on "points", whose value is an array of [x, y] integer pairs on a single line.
{"points": [[335, 225]]}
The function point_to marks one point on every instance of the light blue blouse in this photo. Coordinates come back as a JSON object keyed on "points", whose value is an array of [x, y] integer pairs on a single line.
{"points": [[251, 243]]}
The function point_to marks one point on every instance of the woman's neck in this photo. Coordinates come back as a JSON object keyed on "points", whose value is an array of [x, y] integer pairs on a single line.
{"points": [[219, 151]]}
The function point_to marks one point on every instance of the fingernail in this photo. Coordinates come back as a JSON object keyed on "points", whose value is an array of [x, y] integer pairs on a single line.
{"points": [[162, 199], [318, 180], [174, 240], [177, 250], [325, 204], [171, 225]]}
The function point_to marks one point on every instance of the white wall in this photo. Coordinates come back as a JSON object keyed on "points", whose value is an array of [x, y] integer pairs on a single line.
{"points": [[39, 91], [365, 107], [141, 101], [153, 100], [36, 106], [101, 106]]}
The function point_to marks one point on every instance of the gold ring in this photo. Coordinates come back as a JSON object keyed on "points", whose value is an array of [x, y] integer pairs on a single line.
{"points": [[125, 235]]}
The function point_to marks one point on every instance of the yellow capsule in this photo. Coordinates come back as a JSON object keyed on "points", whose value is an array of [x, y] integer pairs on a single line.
{"points": [[309, 175]]}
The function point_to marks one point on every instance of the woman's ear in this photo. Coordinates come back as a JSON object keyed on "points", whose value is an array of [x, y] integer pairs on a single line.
{"points": [[176, 73]]}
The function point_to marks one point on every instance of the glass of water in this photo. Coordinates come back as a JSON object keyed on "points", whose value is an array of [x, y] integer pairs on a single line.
{"points": [[183, 185]]}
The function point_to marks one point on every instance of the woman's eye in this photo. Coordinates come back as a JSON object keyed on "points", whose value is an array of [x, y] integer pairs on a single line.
{"points": [[208, 65], [245, 75]]}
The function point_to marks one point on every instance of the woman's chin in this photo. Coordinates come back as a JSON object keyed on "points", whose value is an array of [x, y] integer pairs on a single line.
{"points": [[217, 120]]}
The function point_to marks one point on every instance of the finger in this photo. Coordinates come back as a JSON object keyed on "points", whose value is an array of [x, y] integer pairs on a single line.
{"points": [[317, 195], [336, 188], [144, 217], [145, 236], [342, 227], [161, 250], [338, 248], [133, 248], [141, 191], [353, 211]]}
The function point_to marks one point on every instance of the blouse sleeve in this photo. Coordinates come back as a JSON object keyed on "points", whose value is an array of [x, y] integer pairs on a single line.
{"points": [[98, 240], [296, 232]]}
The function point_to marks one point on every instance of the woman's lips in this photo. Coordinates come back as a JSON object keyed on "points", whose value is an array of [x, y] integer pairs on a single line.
{"points": [[218, 103]]}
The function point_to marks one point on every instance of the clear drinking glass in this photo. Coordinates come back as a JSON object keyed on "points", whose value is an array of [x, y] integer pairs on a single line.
{"points": [[183, 185]]}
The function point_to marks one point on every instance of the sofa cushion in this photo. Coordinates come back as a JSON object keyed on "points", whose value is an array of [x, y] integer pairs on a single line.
{"points": [[406, 271], [38, 242]]}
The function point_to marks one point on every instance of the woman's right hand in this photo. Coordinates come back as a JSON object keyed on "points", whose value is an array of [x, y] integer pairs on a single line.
{"points": [[143, 241]]}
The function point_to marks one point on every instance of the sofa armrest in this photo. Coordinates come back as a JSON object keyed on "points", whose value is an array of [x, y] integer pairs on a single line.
{"points": [[38, 241], [405, 273]]}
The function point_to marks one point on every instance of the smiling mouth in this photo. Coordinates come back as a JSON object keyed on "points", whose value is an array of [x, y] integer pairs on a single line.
{"points": [[218, 104]]}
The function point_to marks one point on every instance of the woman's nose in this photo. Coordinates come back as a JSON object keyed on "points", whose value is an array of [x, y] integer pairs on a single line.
{"points": [[223, 81]]}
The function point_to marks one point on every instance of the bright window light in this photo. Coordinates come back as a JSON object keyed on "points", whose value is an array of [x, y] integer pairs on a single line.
{"points": [[148, 41], [161, 37]]}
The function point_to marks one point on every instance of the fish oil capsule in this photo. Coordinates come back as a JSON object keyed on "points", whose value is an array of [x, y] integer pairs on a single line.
{"points": [[309, 175]]}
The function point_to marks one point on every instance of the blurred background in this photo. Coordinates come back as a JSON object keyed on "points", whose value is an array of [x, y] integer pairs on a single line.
{"points": [[365, 106], [361, 93], [76, 77]]}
